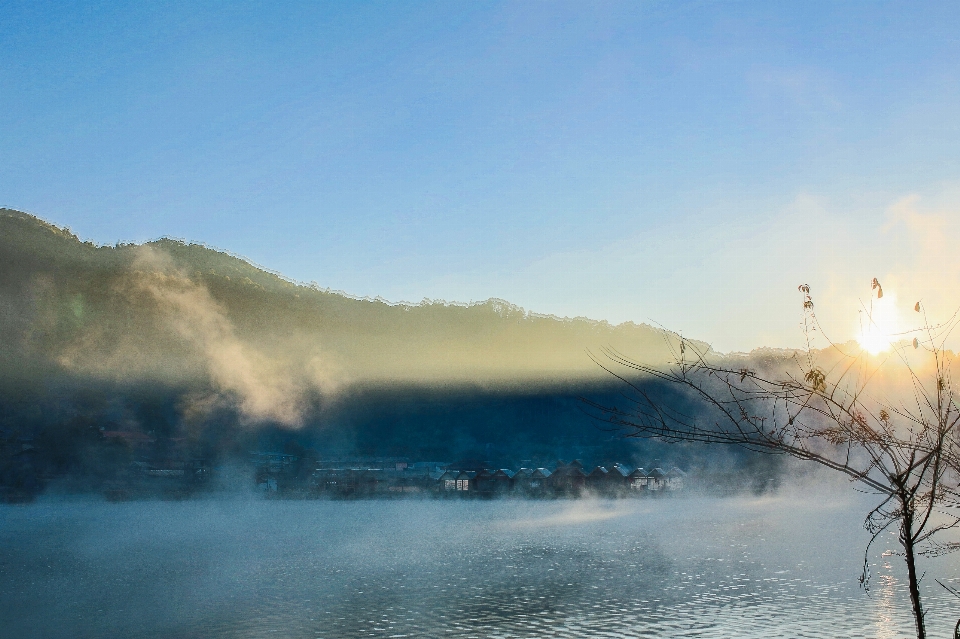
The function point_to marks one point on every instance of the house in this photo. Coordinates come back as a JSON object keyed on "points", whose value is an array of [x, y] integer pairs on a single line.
{"points": [[367, 480], [531, 481], [674, 479], [568, 479], [275, 463], [618, 482], [502, 481], [447, 482], [407, 480], [521, 479], [325, 480], [637, 480], [538, 481], [492, 481], [656, 479], [345, 482], [433, 478], [466, 481], [597, 479], [484, 481]]}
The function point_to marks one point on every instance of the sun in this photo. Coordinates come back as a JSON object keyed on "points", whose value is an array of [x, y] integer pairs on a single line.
{"points": [[879, 325], [874, 342]]}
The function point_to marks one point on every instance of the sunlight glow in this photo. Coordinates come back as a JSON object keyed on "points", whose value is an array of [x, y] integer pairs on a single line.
{"points": [[879, 324]]}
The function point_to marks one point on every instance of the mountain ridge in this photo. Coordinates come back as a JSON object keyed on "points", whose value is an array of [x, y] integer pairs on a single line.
{"points": [[75, 291]]}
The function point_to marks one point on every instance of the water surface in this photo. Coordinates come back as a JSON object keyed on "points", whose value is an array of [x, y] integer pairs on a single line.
{"points": [[782, 566]]}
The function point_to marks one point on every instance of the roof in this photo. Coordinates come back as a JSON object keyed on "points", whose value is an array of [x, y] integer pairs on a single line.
{"points": [[620, 470]]}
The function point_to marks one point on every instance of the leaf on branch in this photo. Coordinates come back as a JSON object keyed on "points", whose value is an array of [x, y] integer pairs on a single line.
{"points": [[916, 307], [808, 304], [816, 379], [916, 344]]}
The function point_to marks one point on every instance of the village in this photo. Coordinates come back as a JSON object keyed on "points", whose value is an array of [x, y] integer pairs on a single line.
{"points": [[278, 474], [132, 465]]}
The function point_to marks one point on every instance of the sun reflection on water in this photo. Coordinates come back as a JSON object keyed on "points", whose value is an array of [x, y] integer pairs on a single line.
{"points": [[886, 603]]}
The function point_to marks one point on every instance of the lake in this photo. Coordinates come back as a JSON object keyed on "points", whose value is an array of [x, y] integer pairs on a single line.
{"points": [[685, 566]]}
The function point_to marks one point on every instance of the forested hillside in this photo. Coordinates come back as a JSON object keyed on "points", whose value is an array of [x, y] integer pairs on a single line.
{"points": [[180, 341]]}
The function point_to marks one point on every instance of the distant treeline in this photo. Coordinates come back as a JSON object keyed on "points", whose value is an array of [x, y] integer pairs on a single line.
{"points": [[91, 438]]}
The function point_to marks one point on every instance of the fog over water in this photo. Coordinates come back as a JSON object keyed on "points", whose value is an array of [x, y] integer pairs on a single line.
{"points": [[784, 565]]}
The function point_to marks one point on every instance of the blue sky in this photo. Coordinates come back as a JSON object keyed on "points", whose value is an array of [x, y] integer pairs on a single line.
{"points": [[681, 163]]}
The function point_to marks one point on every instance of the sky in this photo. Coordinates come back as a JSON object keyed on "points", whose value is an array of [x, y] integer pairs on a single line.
{"points": [[686, 164]]}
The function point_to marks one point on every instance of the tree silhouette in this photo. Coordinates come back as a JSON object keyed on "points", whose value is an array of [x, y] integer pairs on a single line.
{"points": [[888, 422]]}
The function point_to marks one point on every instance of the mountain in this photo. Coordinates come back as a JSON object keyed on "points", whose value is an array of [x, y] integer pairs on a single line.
{"points": [[179, 340], [177, 312]]}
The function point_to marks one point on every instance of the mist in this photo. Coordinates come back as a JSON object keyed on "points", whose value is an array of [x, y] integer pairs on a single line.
{"points": [[247, 566]]}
